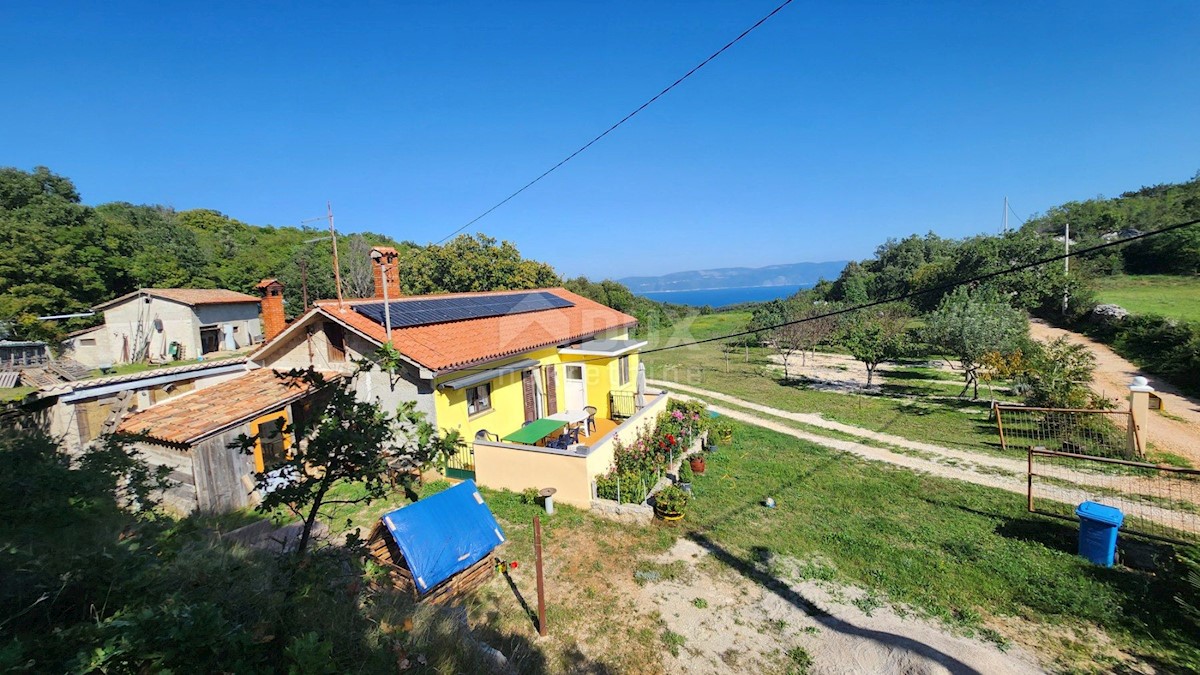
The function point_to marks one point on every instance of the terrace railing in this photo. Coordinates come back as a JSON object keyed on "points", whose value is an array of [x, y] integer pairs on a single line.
{"points": [[622, 404]]}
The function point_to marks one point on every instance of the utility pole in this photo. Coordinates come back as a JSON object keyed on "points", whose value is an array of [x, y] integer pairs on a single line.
{"points": [[1006, 214], [337, 270], [1066, 262]]}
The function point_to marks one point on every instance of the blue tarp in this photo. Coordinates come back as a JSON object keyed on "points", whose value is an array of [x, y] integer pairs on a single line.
{"points": [[444, 533]]}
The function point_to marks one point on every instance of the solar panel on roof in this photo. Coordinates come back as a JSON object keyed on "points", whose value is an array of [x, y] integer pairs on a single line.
{"points": [[405, 313]]}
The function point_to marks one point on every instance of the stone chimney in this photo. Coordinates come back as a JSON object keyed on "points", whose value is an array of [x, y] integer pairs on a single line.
{"points": [[273, 321], [381, 257]]}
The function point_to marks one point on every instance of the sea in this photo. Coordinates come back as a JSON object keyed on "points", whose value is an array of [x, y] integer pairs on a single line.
{"points": [[722, 297]]}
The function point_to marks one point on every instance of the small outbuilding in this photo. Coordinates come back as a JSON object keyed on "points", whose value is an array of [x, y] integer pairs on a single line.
{"points": [[440, 547]]}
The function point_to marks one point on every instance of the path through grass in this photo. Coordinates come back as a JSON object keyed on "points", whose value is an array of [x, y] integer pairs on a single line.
{"points": [[966, 554]]}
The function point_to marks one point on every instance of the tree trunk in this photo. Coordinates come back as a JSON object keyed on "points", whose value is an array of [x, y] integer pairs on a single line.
{"points": [[311, 519], [870, 374]]}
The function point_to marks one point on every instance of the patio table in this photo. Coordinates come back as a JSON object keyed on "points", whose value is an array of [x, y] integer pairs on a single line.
{"points": [[535, 431], [570, 416]]}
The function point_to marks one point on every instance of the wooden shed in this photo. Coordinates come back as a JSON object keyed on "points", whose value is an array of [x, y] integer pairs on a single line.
{"points": [[440, 548]]}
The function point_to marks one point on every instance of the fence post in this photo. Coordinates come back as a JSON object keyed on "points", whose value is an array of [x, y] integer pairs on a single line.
{"points": [[1139, 411], [1000, 426], [1029, 479], [618, 487]]}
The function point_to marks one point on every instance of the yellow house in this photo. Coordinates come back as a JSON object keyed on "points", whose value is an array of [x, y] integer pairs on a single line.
{"points": [[486, 364]]}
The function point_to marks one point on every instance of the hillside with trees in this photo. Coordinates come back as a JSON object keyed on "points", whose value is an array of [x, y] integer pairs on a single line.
{"points": [[924, 269], [60, 256]]}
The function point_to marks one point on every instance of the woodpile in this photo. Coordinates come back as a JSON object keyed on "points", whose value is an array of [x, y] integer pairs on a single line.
{"points": [[382, 549]]}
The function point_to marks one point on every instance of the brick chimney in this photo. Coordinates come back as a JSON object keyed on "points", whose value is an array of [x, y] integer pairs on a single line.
{"points": [[273, 321], [386, 256]]}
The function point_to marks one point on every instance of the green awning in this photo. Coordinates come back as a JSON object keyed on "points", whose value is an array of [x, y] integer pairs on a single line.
{"points": [[487, 375], [535, 431]]}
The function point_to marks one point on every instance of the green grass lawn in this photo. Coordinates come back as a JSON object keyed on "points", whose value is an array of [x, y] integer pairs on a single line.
{"points": [[966, 554], [903, 409], [1170, 296]]}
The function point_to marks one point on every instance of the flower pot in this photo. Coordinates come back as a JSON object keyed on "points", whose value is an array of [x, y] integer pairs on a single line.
{"points": [[697, 464], [668, 516]]}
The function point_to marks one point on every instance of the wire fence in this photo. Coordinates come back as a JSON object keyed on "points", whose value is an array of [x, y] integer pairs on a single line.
{"points": [[1158, 501], [1097, 433], [629, 488]]}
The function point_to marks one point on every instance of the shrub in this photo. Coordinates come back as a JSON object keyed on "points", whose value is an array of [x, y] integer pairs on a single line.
{"points": [[1163, 347], [685, 472], [672, 499]]}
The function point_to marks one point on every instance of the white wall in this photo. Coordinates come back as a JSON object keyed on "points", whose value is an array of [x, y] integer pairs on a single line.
{"points": [[178, 321], [181, 323], [91, 355]]}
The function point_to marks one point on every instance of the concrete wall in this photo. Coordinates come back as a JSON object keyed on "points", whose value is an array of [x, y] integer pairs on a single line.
{"points": [[92, 349], [244, 317], [516, 467], [181, 323], [178, 320], [310, 347], [600, 457]]}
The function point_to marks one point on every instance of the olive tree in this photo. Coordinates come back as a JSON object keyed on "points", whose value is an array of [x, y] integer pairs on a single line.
{"points": [[875, 336], [970, 325]]}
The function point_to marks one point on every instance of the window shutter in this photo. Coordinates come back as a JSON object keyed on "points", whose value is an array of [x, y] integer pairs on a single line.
{"points": [[551, 389], [337, 341], [527, 392]]}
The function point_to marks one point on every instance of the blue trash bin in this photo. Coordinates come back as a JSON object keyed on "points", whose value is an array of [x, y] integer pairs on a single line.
{"points": [[1098, 532]]}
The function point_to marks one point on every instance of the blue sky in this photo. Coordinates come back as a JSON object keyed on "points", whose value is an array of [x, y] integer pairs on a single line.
{"points": [[828, 130]]}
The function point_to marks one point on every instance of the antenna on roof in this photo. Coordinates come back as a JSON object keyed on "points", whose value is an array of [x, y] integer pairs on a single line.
{"points": [[337, 270]]}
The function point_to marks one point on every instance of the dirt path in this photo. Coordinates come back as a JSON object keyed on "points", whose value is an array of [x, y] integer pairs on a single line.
{"points": [[746, 620], [1178, 431], [998, 472]]}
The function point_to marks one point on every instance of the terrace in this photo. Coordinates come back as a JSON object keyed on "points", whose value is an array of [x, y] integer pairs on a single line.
{"points": [[512, 465]]}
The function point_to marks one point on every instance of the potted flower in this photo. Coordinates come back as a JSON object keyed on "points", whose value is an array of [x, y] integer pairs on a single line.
{"points": [[696, 462], [670, 503]]}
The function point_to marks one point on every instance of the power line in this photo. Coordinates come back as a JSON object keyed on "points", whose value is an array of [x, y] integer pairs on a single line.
{"points": [[942, 287], [902, 296], [1010, 210], [623, 120]]}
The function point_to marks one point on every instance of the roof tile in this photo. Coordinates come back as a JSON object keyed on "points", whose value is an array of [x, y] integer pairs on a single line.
{"points": [[457, 344], [192, 416]]}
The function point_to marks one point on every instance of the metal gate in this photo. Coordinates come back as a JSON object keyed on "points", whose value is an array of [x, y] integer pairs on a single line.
{"points": [[1158, 501], [1099, 433], [461, 464]]}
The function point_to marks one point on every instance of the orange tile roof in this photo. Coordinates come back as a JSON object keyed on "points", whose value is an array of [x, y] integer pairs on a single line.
{"points": [[193, 416], [457, 344], [188, 296]]}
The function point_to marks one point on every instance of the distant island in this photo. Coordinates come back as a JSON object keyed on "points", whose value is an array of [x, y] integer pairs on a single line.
{"points": [[795, 274]]}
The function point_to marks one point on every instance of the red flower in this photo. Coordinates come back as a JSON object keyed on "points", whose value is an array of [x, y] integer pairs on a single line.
{"points": [[671, 439], [514, 564]]}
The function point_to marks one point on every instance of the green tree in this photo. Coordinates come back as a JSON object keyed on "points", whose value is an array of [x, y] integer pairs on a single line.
{"points": [[1056, 374], [472, 263], [877, 335], [969, 325], [347, 441]]}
